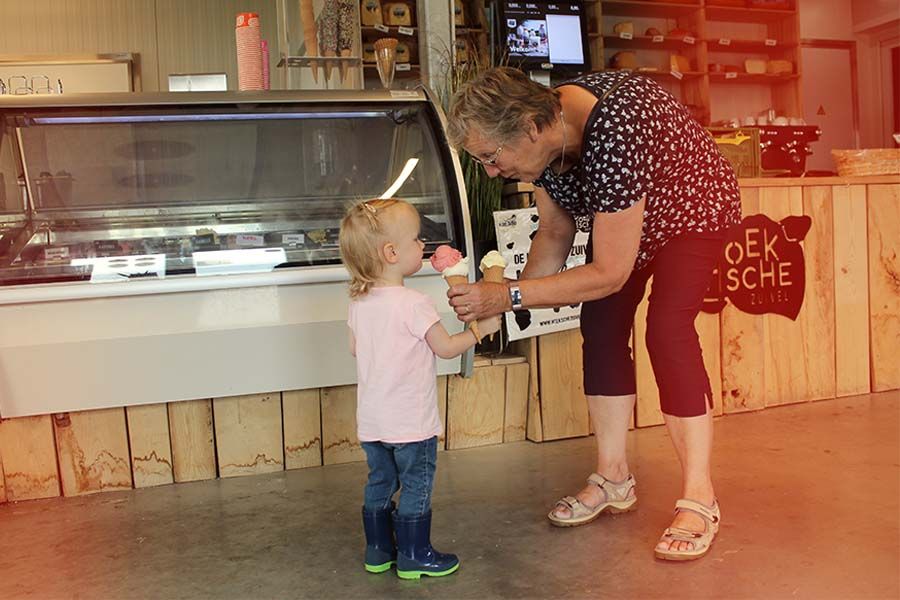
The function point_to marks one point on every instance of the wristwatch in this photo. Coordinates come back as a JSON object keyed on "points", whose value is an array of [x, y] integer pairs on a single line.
{"points": [[515, 296]]}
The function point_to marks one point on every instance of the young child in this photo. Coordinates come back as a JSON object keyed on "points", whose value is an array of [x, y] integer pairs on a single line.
{"points": [[395, 333]]}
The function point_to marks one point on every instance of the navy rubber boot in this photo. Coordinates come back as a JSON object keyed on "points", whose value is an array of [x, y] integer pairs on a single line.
{"points": [[381, 552], [415, 556]]}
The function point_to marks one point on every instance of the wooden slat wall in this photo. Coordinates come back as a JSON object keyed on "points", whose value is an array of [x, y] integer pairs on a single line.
{"points": [[564, 410], [302, 416], [29, 458], [884, 285], [851, 290], [516, 413], [475, 408], [248, 434], [743, 336], [193, 446], [84, 26], [92, 448], [339, 441], [151, 450]]}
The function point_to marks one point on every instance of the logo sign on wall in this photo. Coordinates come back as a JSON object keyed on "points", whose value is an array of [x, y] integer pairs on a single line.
{"points": [[515, 230], [761, 269]]}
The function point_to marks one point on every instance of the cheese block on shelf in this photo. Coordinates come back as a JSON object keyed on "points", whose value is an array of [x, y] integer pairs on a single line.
{"points": [[624, 60], [370, 13], [755, 66], [679, 63], [397, 14], [623, 27], [779, 67]]}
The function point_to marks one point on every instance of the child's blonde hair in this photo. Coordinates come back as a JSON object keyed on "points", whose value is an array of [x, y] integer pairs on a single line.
{"points": [[363, 229]]}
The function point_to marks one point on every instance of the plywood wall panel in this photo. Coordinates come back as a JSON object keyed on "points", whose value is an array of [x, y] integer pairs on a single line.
{"points": [[193, 445], [249, 434], [92, 449], [29, 458], [151, 450], [302, 415]]}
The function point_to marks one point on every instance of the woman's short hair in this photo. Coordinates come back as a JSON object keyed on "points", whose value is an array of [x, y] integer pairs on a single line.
{"points": [[499, 103]]}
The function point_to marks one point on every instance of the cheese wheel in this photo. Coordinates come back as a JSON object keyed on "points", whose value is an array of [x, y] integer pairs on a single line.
{"points": [[624, 27], [779, 67], [679, 63], [755, 66], [624, 60]]}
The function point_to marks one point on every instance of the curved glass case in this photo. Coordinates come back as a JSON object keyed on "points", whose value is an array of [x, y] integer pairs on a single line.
{"points": [[113, 188]]}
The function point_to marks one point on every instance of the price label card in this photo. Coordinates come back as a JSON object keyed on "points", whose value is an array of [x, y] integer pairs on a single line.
{"points": [[771, 42], [250, 240], [403, 66], [293, 239], [406, 30], [382, 28], [658, 39], [57, 253], [677, 75], [731, 75], [724, 42], [626, 36], [688, 40]]}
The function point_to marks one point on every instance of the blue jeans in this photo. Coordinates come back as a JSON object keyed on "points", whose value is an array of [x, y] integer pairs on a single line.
{"points": [[406, 467]]}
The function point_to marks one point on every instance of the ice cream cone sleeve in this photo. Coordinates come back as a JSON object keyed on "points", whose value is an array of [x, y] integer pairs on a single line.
{"points": [[459, 280]]}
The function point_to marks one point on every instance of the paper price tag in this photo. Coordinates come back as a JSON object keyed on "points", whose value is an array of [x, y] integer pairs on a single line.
{"points": [[724, 42], [293, 239], [731, 75], [771, 42], [382, 28], [406, 30], [403, 66], [677, 75], [688, 40], [626, 36], [250, 240], [658, 39]]}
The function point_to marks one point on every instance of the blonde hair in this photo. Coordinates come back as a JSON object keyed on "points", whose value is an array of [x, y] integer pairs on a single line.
{"points": [[363, 229], [499, 103]]}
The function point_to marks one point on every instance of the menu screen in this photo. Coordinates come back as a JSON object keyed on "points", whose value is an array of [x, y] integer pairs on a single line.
{"points": [[545, 32]]}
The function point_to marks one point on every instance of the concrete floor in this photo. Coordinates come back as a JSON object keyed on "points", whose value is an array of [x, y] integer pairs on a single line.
{"points": [[810, 498]]}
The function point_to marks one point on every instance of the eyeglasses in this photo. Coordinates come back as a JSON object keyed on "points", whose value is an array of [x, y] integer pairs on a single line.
{"points": [[492, 161]]}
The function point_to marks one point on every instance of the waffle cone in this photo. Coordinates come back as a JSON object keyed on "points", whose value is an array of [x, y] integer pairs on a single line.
{"points": [[459, 280], [389, 43], [494, 274]]}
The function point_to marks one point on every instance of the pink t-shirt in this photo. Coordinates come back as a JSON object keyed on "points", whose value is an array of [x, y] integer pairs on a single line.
{"points": [[396, 398]]}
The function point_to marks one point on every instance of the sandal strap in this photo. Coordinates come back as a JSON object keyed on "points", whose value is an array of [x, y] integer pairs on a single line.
{"points": [[569, 502], [682, 535], [709, 514], [613, 491]]}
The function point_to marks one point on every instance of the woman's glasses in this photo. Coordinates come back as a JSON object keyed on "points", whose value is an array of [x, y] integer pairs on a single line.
{"points": [[492, 160]]}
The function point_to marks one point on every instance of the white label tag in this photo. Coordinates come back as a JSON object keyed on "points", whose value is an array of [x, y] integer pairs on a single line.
{"points": [[382, 28], [658, 39], [771, 42], [403, 66], [731, 75], [293, 239], [724, 42], [250, 240], [404, 94], [406, 30], [56, 253], [688, 39], [677, 74], [626, 36]]}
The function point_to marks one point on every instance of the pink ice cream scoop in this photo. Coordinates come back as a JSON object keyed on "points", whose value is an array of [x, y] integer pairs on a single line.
{"points": [[445, 257]]}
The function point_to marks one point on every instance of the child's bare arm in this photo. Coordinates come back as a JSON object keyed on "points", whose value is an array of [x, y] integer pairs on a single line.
{"points": [[352, 344], [449, 346]]}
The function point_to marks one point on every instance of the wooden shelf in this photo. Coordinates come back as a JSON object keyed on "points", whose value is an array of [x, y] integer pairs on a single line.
{"points": [[749, 46], [747, 15], [393, 29], [686, 76], [635, 8], [413, 69], [751, 78], [645, 43]]}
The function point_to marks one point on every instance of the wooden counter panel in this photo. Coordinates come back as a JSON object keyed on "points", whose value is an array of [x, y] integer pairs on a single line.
{"points": [[92, 447], [884, 285], [249, 434], [151, 449], [340, 443], [817, 181], [564, 410], [515, 414], [29, 458], [475, 408], [302, 418], [851, 290], [193, 448]]}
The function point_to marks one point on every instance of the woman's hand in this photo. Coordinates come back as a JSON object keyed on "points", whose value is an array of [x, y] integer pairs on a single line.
{"points": [[473, 301]]}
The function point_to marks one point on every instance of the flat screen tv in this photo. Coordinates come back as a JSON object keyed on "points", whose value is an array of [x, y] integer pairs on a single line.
{"points": [[549, 36]]}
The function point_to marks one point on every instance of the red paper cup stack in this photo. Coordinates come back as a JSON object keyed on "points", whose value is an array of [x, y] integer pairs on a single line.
{"points": [[249, 52], [265, 63]]}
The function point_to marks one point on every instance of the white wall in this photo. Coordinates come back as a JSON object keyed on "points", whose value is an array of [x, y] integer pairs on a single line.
{"points": [[868, 14], [826, 19]]}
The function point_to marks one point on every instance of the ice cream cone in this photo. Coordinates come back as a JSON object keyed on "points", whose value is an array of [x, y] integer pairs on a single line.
{"points": [[385, 60], [492, 267], [493, 275], [459, 280]]}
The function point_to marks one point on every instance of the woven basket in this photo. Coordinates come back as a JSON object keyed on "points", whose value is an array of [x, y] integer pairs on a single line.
{"points": [[872, 161]]}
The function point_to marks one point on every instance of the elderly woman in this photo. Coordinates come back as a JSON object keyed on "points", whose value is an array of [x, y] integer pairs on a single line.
{"points": [[615, 155]]}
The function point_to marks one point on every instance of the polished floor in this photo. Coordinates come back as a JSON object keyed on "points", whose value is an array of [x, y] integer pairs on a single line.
{"points": [[810, 497]]}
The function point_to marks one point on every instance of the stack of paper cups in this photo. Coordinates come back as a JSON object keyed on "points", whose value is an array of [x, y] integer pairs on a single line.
{"points": [[264, 46], [249, 52]]}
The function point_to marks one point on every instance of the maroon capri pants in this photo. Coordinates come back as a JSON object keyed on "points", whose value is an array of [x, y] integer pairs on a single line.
{"points": [[682, 271]]}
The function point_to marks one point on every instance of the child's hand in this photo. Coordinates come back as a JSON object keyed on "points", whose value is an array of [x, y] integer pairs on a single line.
{"points": [[489, 325]]}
